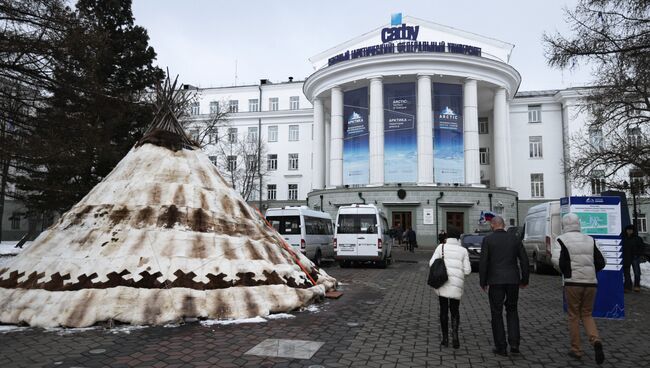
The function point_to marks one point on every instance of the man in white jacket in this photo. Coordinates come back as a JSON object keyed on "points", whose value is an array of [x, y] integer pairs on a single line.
{"points": [[457, 263], [574, 255]]}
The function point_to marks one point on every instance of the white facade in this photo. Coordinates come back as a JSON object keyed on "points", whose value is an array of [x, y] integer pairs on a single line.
{"points": [[497, 155]]}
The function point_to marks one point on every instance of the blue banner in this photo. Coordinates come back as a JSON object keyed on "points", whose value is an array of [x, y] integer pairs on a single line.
{"points": [[355, 137], [400, 135], [448, 150]]}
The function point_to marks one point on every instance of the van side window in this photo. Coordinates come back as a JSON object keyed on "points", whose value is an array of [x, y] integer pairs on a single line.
{"points": [[285, 225]]}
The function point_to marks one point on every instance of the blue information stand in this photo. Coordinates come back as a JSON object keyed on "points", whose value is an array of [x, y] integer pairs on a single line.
{"points": [[601, 218]]}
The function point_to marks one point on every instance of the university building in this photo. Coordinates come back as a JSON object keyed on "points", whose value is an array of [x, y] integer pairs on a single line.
{"points": [[424, 120]]}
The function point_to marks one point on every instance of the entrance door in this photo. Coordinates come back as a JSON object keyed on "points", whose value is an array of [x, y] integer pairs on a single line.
{"points": [[456, 221], [403, 219]]}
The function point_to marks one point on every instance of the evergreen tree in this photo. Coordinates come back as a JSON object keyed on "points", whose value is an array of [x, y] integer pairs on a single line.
{"points": [[95, 111]]}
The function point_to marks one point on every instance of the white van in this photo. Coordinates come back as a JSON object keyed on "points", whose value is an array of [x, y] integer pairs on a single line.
{"points": [[542, 226], [306, 230], [361, 234]]}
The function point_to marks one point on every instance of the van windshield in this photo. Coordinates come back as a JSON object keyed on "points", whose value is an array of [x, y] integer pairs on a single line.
{"points": [[357, 224], [285, 225]]}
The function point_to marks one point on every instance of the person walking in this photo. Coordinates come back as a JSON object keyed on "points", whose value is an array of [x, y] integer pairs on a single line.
{"points": [[574, 254], [458, 266], [632, 252], [503, 269], [442, 236], [412, 240]]}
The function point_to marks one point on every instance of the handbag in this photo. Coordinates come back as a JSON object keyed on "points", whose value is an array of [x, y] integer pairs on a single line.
{"points": [[438, 272]]}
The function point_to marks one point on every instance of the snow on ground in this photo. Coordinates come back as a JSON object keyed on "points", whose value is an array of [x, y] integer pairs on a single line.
{"points": [[645, 274], [69, 331], [280, 316], [8, 248], [125, 329], [211, 322], [11, 328], [312, 308]]}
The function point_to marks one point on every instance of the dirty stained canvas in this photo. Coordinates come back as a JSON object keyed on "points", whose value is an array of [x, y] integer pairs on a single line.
{"points": [[162, 237]]}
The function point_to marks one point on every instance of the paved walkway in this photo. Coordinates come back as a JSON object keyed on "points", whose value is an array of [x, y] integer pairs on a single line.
{"points": [[386, 318]]}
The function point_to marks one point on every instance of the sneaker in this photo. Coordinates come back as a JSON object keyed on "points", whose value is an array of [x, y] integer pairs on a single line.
{"points": [[598, 349], [501, 352], [514, 350], [574, 355]]}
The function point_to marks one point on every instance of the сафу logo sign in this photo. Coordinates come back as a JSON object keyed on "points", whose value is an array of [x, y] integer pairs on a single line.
{"points": [[399, 30]]}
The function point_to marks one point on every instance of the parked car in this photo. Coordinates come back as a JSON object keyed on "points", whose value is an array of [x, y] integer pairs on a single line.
{"points": [[362, 235], [307, 231], [541, 227], [472, 242]]}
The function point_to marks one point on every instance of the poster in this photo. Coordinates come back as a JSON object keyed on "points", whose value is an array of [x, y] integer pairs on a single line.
{"points": [[448, 149], [355, 137], [428, 216], [400, 135], [600, 217]]}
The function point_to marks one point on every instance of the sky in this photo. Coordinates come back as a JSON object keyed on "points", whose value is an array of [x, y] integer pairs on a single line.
{"points": [[223, 43]]}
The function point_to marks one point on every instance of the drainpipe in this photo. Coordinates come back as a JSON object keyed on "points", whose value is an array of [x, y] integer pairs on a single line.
{"points": [[321, 203], [437, 217], [361, 196], [517, 202], [490, 197], [259, 144]]}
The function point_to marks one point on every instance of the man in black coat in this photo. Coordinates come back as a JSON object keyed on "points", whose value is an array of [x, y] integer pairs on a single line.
{"points": [[633, 248], [503, 269]]}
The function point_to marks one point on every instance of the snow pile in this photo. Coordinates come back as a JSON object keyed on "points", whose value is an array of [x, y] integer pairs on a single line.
{"points": [[645, 274], [8, 248], [162, 237]]}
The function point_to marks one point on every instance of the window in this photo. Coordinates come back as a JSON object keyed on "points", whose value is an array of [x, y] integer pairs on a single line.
{"points": [[15, 221], [596, 137], [534, 113], [273, 104], [232, 135], [194, 134], [317, 226], [251, 162], [195, 108], [232, 163], [213, 159], [293, 161], [252, 134], [483, 126], [294, 133], [484, 155], [285, 225], [213, 135], [253, 105], [355, 224], [634, 136], [293, 192], [294, 102], [273, 133], [597, 182], [214, 107], [271, 191], [233, 106], [535, 146], [537, 185], [641, 223], [271, 162]]}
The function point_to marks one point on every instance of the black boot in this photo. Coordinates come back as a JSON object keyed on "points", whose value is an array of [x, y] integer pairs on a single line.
{"points": [[455, 321], [444, 327]]}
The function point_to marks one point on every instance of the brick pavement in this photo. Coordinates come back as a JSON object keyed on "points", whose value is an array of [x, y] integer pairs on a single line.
{"points": [[386, 318]]}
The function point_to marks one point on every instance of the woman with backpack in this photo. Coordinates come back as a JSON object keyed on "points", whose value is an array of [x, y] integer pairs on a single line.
{"points": [[456, 261]]}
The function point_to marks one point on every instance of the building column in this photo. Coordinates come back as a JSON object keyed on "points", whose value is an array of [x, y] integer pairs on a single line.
{"points": [[336, 139], [318, 174], [376, 130], [425, 130], [500, 143], [328, 132], [470, 133], [509, 145]]}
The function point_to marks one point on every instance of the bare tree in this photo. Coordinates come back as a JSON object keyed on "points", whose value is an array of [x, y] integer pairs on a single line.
{"points": [[613, 38], [239, 161]]}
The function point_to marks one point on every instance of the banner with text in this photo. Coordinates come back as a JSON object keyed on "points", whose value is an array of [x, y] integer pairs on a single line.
{"points": [[400, 135], [355, 137], [448, 150]]}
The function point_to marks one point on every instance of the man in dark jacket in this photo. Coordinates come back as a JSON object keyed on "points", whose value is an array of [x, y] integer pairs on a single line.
{"points": [[503, 269], [412, 239], [632, 252]]}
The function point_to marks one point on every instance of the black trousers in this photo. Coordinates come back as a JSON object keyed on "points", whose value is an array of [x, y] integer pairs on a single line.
{"points": [[507, 295], [448, 305]]}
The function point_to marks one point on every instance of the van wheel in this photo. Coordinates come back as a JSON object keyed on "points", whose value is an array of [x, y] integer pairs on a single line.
{"points": [[318, 258]]}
